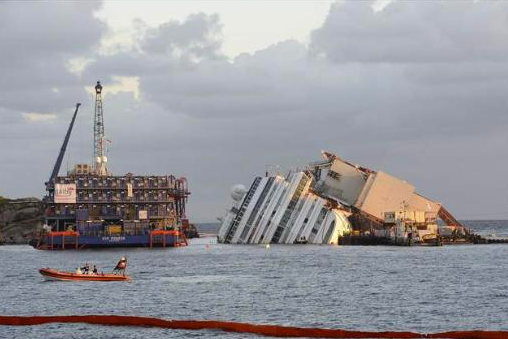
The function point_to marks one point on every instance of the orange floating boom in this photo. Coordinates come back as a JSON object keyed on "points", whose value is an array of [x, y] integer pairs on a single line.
{"points": [[265, 330]]}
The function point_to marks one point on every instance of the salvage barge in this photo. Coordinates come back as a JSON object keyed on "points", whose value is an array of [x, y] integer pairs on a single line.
{"points": [[336, 202], [91, 208]]}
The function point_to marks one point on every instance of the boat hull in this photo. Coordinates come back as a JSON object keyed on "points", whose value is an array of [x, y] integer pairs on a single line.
{"points": [[83, 242], [53, 274]]}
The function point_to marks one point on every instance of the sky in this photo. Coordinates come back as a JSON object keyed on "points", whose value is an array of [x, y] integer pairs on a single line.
{"points": [[218, 91]]}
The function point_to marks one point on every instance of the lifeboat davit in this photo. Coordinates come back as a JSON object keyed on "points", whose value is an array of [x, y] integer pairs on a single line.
{"points": [[58, 275]]}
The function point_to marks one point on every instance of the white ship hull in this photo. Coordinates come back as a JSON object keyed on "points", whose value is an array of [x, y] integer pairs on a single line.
{"points": [[283, 211]]}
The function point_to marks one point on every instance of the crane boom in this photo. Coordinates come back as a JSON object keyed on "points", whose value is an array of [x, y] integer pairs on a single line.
{"points": [[59, 160]]}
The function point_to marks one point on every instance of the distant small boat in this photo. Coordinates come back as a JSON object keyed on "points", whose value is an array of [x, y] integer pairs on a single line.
{"points": [[301, 241], [58, 275]]}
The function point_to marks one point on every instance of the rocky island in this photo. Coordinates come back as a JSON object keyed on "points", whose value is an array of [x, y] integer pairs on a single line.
{"points": [[19, 219]]}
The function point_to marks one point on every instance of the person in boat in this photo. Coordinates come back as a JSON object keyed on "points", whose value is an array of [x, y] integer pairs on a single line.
{"points": [[86, 268], [94, 270], [120, 266], [78, 271]]}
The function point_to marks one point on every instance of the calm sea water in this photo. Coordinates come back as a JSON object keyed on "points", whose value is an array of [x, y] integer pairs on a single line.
{"points": [[423, 289]]}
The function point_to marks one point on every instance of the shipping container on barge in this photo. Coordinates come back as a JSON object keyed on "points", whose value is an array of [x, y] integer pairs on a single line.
{"points": [[91, 208]]}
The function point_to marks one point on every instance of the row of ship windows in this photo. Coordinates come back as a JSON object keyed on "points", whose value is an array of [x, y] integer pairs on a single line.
{"points": [[270, 196], [168, 207], [123, 194], [255, 210], [84, 212], [119, 199], [163, 182], [284, 219], [291, 206], [239, 216], [273, 213]]}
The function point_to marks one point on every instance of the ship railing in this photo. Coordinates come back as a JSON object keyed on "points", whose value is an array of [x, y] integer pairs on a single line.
{"points": [[104, 187], [131, 201]]}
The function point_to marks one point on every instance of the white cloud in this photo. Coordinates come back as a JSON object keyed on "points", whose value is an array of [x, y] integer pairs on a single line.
{"points": [[77, 64], [247, 26], [38, 117], [379, 5]]}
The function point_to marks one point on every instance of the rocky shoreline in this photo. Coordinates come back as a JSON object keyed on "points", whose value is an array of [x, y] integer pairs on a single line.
{"points": [[19, 219]]}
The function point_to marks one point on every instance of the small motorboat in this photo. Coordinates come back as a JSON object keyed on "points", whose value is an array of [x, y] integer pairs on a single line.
{"points": [[59, 275], [300, 241]]}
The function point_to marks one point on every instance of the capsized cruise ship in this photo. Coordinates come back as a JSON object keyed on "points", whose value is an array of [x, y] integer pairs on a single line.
{"points": [[327, 201]]}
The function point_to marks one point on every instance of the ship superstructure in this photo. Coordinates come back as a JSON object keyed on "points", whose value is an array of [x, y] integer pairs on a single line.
{"points": [[328, 203], [90, 207]]}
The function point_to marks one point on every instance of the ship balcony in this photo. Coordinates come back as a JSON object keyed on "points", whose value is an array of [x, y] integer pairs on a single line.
{"points": [[91, 190], [122, 188], [107, 216]]}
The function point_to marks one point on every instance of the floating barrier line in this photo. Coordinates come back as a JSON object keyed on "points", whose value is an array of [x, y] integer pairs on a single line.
{"points": [[264, 330]]}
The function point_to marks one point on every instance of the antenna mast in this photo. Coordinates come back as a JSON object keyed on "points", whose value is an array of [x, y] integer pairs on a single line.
{"points": [[100, 158]]}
